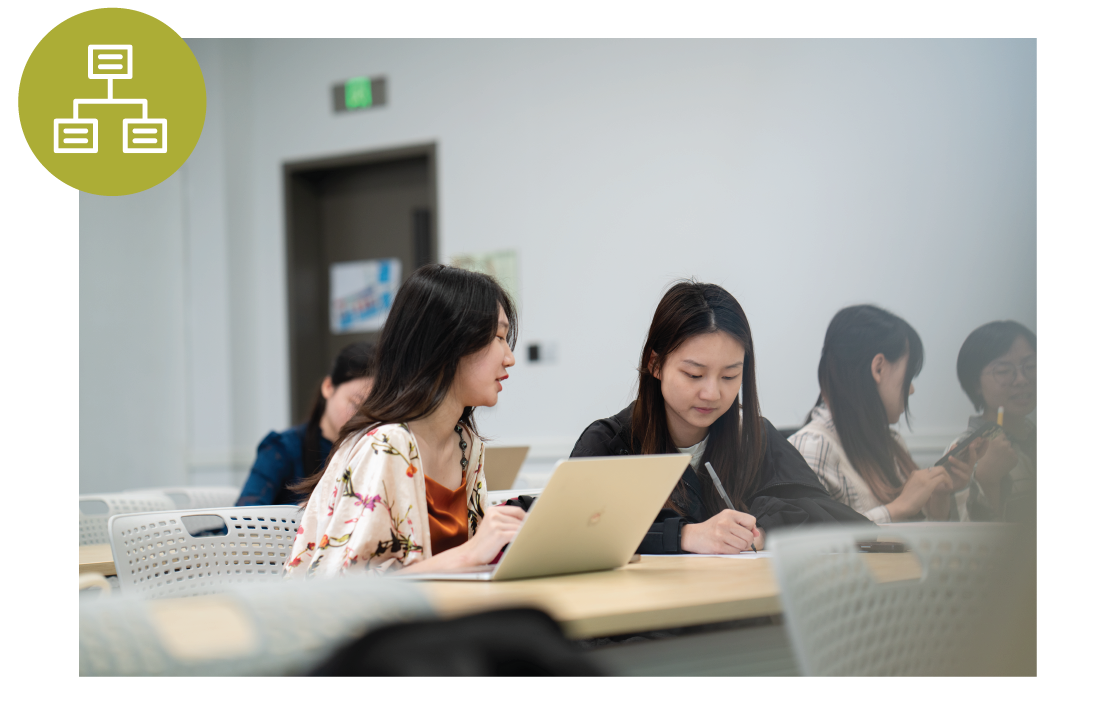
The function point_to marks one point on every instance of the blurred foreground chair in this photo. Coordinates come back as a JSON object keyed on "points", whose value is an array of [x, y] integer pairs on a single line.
{"points": [[195, 497], [94, 511], [514, 642], [201, 551], [286, 629], [971, 611]]}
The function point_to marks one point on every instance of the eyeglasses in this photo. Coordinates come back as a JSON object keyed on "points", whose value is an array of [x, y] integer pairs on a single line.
{"points": [[1005, 373]]}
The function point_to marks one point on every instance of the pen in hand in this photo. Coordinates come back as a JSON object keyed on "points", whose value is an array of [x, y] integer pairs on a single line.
{"points": [[723, 493]]}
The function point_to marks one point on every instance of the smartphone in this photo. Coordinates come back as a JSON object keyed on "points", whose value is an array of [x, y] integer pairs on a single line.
{"points": [[881, 547], [981, 431]]}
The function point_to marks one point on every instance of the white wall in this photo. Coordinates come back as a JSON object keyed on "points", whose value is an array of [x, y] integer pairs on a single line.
{"points": [[133, 389], [802, 175]]}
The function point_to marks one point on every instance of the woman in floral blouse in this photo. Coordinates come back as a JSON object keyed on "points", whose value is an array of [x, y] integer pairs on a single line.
{"points": [[405, 485]]}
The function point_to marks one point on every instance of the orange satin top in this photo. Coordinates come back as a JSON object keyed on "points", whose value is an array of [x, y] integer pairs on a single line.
{"points": [[448, 515]]}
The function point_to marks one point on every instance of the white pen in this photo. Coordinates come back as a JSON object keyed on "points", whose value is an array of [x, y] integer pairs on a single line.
{"points": [[723, 492]]}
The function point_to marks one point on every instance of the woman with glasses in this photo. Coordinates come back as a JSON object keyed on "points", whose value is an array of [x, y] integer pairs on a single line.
{"points": [[997, 369]]}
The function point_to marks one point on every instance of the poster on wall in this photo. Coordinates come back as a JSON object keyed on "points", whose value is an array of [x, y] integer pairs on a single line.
{"points": [[360, 294], [502, 265]]}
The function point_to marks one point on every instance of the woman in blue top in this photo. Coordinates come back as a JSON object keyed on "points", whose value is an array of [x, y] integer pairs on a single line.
{"points": [[290, 456]]}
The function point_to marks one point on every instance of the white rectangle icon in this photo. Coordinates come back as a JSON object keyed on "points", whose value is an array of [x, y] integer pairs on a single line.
{"points": [[144, 135], [105, 61], [73, 135]]}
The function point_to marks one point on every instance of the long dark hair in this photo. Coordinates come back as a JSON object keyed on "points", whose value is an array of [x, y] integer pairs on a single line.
{"points": [[736, 444], [441, 315], [855, 336], [353, 361]]}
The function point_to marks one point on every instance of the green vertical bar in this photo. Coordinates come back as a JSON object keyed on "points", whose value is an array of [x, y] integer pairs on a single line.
{"points": [[39, 265]]}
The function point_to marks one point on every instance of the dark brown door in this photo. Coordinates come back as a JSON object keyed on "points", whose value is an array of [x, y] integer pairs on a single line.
{"points": [[376, 206]]}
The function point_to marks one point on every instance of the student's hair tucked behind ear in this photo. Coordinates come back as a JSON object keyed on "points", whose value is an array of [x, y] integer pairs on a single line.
{"points": [[736, 444], [353, 361], [441, 315], [855, 336]]}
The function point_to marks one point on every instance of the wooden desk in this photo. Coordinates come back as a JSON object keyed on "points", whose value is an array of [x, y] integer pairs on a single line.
{"points": [[96, 558], [655, 593]]}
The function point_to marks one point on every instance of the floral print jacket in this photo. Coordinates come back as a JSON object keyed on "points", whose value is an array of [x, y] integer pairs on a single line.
{"points": [[368, 511]]}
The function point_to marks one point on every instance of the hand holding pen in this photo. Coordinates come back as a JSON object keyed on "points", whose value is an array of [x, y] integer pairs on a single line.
{"points": [[723, 493], [728, 532]]}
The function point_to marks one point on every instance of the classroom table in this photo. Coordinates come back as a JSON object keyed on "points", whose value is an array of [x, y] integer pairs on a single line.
{"points": [[96, 559], [654, 593]]}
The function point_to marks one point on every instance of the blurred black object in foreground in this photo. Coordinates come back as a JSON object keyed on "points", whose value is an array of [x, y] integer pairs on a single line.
{"points": [[512, 642], [15, 577]]}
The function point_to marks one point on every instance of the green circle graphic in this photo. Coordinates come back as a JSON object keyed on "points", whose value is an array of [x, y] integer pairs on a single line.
{"points": [[131, 124]]}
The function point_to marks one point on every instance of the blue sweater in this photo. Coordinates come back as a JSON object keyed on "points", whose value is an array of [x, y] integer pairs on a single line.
{"points": [[278, 464]]}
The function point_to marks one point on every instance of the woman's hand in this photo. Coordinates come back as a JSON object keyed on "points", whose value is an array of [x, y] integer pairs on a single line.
{"points": [[997, 460], [961, 468], [728, 532], [939, 503], [919, 488], [498, 528]]}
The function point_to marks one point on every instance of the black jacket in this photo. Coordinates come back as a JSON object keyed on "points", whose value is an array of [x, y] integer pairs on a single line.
{"points": [[788, 492]]}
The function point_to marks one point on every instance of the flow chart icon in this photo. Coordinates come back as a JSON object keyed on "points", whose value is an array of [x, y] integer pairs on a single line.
{"points": [[144, 135]]}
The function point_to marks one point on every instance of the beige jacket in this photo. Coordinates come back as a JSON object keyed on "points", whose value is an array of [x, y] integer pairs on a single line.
{"points": [[369, 512]]}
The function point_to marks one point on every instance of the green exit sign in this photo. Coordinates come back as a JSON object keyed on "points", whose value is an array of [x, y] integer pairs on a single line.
{"points": [[358, 93]]}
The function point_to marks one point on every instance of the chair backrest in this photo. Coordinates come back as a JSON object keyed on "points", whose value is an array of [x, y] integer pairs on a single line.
{"points": [[197, 497], [246, 630], [94, 511], [201, 551], [842, 621]]}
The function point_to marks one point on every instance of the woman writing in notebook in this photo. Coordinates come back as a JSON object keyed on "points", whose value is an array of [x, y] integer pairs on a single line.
{"points": [[866, 369], [404, 486], [697, 394]]}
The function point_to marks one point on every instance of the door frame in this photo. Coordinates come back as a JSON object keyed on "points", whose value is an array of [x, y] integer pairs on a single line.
{"points": [[293, 174]]}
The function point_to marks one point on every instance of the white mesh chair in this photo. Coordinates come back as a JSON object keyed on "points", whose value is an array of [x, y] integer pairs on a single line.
{"points": [[201, 551], [842, 621], [196, 497], [94, 511], [285, 629]]}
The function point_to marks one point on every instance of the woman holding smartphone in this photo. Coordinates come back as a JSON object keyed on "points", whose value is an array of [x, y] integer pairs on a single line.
{"points": [[865, 378], [697, 394], [997, 370], [404, 486]]}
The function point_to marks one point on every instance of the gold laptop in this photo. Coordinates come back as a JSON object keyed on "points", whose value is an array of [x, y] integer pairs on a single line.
{"points": [[501, 465], [591, 516]]}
